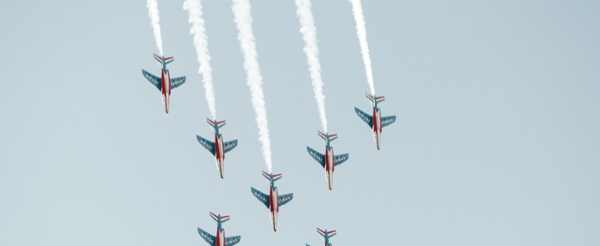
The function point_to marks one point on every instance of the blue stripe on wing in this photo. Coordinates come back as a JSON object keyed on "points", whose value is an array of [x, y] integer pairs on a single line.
{"points": [[210, 239], [230, 241], [364, 116], [210, 146], [339, 159], [153, 79], [229, 145], [283, 199], [317, 156], [176, 82], [264, 198], [386, 121]]}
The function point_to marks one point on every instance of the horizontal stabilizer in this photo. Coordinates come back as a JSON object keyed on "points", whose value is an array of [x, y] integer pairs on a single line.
{"points": [[328, 233], [325, 136], [276, 176], [216, 217], [161, 59], [214, 124], [373, 99]]}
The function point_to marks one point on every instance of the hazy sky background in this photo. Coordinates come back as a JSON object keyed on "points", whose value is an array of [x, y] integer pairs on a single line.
{"points": [[497, 139]]}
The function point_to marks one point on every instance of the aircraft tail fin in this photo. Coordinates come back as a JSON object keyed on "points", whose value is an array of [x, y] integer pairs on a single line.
{"points": [[161, 59], [325, 136], [326, 233], [214, 124], [276, 176], [374, 99], [216, 217]]}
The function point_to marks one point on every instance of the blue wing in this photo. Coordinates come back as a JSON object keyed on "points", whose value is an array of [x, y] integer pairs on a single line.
{"points": [[283, 199], [153, 79], [264, 198], [210, 146], [385, 121], [230, 241], [364, 116], [176, 82], [210, 239], [339, 159], [229, 145], [318, 156]]}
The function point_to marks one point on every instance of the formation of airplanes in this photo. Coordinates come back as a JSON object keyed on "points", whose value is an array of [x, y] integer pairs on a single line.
{"points": [[218, 148], [273, 201], [219, 239], [329, 161], [164, 84]]}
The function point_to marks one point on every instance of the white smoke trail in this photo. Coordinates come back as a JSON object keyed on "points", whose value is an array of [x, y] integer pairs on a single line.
{"points": [[154, 18], [309, 34], [361, 31], [243, 21], [194, 8]]}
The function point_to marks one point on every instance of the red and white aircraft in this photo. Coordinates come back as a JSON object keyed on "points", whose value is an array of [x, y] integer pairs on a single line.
{"points": [[164, 84], [220, 239], [376, 122], [273, 201], [329, 160], [218, 148]]}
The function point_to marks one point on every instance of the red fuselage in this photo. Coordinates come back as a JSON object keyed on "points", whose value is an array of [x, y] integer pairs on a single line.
{"points": [[329, 165], [220, 238], [377, 126], [274, 206], [165, 88], [219, 153]]}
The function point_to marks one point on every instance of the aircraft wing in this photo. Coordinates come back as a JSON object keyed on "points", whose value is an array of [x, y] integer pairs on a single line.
{"points": [[210, 239], [230, 241], [210, 146], [229, 145], [176, 82], [339, 159], [283, 199], [364, 116], [264, 198], [385, 121], [153, 79], [318, 156]]}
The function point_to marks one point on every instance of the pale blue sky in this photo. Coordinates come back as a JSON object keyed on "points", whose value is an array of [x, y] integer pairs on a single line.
{"points": [[497, 139]]}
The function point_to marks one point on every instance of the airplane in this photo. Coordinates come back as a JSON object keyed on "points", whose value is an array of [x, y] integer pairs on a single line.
{"points": [[273, 201], [328, 161], [220, 239], [217, 148], [164, 83], [376, 122]]}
